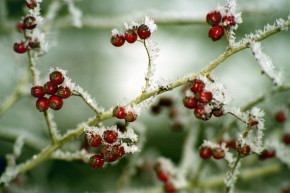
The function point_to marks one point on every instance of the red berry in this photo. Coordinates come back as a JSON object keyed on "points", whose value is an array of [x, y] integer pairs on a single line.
{"points": [[218, 153], [280, 117], [143, 32], [205, 152], [97, 161], [56, 77], [218, 112], [267, 154], [252, 122], [201, 112], [228, 21], [189, 102], [29, 22], [20, 48], [169, 187], [216, 32], [165, 102], [117, 40], [63, 92], [119, 112], [231, 144], [213, 18], [20, 27], [130, 36], [163, 176], [50, 88], [197, 86], [243, 150], [31, 4], [286, 139], [42, 104], [33, 44], [203, 96], [107, 151], [110, 136], [37, 91], [55, 102], [93, 139], [130, 117], [118, 150]]}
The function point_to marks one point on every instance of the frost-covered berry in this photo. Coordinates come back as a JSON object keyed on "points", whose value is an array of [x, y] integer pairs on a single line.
{"points": [[198, 85], [280, 117], [20, 47], [205, 152], [93, 139], [29, 22], [37, 91], [218, 112], [218, 153], [201, 112], [130, 117], [50, 88], [204, 96], [56, 77], [216, 32], [33, 44], [163, 176], [189, 102], [143, 32], [107, 151], [118, 150], [213, 18], [63, 92], [42, 104], [117, 40], [119, 112], [267, 154], [31, 4], [55, 102], [110, 136], [228, 21], [130, 36], [243, 150], [169, 187], [286, 139], [96, 161]]}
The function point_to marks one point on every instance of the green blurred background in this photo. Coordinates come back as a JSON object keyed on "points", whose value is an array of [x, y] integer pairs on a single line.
{"points": [[111, 74]]}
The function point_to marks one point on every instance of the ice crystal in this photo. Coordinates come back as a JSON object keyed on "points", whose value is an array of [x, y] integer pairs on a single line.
{"points": [[231, 177], [69, 156], [150, 23], [17, 148], [75, 13]]}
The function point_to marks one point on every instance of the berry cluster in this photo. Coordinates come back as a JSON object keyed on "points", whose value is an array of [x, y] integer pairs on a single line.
{"points": [[131, 35], [109, 147], [267, 154], [120, 112], [206, 152], [164, 176], [28, 23], [54, 89], [219, 23], [202, 102], [242, 149]]}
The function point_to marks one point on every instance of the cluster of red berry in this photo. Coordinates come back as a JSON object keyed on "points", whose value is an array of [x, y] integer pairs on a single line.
{"points": [[53, 88], [202, 102], [164, 176], [219, 23], [267, 154], [131, 35], [28, 23], [280, 117], [121, 112], [206, 152], [109, 148]]}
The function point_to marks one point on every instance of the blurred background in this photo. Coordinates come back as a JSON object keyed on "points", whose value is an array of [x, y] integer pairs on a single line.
{"points": [[112, 75]]}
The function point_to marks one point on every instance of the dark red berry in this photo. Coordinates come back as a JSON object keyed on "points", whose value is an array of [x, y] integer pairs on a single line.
{"points": [[117, 40], [218, 112], [169, 187], [204, 96], [119, 112], [163, 176], [231, 144], [197, 86], [20, 27], [286, 139], [130, 117], [143, 32], [56, 77], [63, 92], [110, 136], [189, 102], [107, 151], [156, 109], [118, 150], [165, 102], [93, 139], [216, 32], [267, 154], [20, 48], [243, 150], [37, 91], [218, 153], [213, 18], [33, 44], [31, 4], [130, 36], [97, 161], [252, 122], [50, 88], [55, 102], [280, 117], [228, 21], [205, 152], [29, 22], [42, 104], [201, 112]]}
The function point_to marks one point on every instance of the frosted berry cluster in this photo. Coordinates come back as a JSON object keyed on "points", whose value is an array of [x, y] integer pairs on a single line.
{"points": [[120, 112], [219, 23], [54, 89], [202, 102], [207, 152], [165, 176]]}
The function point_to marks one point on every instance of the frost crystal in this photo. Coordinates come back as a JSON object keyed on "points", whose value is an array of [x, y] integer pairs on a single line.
{"points": [[18, 146], [231, 177], [69, 156], [266, 63], [151, 24], [75, 13]]}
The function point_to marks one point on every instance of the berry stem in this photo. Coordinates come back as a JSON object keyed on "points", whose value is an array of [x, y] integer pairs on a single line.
{"points": [[87, 102], [149, 70], [52, 131]]}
